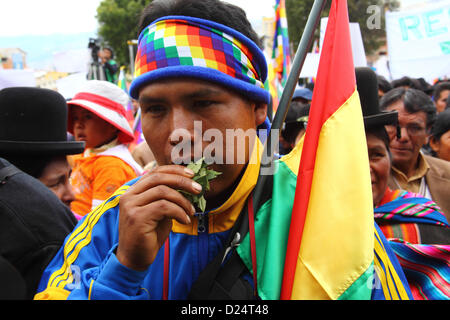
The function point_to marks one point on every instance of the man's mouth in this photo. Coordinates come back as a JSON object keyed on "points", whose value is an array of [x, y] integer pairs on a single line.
{"points": [[188, 159], [400, 149]]}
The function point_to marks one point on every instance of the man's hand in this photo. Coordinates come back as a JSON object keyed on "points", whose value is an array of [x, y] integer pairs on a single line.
{"points": [[147, 210]]}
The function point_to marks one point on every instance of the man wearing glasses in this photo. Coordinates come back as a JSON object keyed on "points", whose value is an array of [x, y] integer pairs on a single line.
{"points": [[412, 170]]}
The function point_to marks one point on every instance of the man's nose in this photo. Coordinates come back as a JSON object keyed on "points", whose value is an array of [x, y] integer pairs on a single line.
{"points": [[183, 127], [404, 135]]}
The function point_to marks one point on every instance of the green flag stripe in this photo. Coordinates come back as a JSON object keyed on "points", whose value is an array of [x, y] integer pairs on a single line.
{"points": [[272, 227]]}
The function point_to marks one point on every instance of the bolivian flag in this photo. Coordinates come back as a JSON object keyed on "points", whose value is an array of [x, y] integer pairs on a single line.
{"points": [[315, 234]]}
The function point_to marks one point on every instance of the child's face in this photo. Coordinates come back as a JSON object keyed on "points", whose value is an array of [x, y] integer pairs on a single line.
{"points": [[90, 128]]}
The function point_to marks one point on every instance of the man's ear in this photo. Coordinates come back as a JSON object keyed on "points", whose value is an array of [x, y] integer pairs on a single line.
{"points": [[260, 113]]}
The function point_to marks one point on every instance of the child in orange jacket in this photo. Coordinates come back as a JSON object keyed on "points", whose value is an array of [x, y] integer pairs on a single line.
{"points": [[97, 117]]}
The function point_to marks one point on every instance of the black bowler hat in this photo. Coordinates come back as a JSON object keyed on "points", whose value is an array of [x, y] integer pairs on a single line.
{"points": [[367, 86], [33, 121]]}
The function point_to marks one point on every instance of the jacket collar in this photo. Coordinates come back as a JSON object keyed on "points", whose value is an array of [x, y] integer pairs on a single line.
{"points": [[222, 218]]}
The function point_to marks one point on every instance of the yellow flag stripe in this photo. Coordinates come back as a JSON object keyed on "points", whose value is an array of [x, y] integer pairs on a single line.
{"points": [[337, 208]]}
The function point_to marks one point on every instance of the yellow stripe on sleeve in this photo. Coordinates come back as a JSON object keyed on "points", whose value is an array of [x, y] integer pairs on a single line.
{"points": [[79, 238]]}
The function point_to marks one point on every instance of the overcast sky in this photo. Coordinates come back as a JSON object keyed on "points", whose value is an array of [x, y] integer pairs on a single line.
{"points": [[38, 17]]}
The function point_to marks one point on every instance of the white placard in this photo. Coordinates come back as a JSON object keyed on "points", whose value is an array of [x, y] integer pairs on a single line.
{"points": [[359, 56], [419, 41]]}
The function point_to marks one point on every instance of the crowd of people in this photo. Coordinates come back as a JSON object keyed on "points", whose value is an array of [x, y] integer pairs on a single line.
{"points": [[85, 214]]}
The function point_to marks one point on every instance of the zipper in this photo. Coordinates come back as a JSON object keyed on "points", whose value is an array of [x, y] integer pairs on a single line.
{"points": [[202, 240], [202, 223]]}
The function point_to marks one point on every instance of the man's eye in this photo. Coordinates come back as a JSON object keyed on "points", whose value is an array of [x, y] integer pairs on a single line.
{"points": [[155, 109], [414, 129], [203, 103]]}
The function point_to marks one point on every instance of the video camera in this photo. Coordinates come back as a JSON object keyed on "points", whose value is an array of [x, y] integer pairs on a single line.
{"points": [[94, 45]]}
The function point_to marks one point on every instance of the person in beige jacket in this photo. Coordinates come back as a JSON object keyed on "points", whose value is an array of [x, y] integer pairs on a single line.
{"points": [[412, 170]]}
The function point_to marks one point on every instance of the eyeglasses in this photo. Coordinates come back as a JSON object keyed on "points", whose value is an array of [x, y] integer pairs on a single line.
{"points": [[413, 130]]}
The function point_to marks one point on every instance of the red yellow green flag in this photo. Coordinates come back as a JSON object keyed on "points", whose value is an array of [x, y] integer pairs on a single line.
{"points": [[315, 236], [333, 197]]}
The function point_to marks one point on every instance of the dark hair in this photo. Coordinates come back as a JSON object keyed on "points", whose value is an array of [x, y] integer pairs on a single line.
{"points": [[438, 88], [407, 82], [292, 127], [32, 165], [414, 101], [442, 124], [425, 86], [383, 84], [213, 10], [110, 50]]}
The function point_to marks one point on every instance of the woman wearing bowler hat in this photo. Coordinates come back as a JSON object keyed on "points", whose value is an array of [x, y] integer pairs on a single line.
{"points": [[33, 136], [33, 220]]}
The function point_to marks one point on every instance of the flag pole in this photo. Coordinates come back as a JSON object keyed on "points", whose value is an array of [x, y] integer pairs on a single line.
{"points": [[267, 161]]}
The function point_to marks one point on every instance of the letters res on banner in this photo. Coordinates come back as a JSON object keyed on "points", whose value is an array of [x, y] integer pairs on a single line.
{"points": [[419, 41]]}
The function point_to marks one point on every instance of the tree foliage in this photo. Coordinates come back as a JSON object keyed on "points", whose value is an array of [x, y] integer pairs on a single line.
{"points": [[297, 12], [118, 23]]}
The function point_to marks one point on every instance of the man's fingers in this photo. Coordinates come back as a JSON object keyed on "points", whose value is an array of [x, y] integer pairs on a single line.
{"points": [[163, 192], [165, 209], [176, 177]]}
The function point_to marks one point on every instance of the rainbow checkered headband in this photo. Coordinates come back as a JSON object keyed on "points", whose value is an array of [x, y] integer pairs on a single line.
{"points": [[179, 46]]}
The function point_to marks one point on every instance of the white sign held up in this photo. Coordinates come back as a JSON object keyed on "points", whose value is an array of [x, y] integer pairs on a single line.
{"points": [[419, 42]]}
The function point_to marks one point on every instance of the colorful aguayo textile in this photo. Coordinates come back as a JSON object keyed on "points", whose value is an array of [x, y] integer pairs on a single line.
{"points": [[426, 266], [404, 206], [186, 46]]}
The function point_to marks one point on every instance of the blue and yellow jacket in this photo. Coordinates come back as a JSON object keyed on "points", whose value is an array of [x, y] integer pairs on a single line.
{"points": [[86, 267]]}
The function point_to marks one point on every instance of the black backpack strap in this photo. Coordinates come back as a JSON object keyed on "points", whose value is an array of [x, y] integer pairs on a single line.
{"points": [[229, 283], [205, 287], [223, 280]]}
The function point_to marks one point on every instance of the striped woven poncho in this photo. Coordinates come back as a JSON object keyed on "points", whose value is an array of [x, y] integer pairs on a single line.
{"points": [[426, 266]]}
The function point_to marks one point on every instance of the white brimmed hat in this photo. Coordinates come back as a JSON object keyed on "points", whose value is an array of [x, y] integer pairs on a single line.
{"points": [[108, 102]]}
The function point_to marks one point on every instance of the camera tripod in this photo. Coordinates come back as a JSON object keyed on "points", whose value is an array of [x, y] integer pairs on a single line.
{"points": [[96, 71]]}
